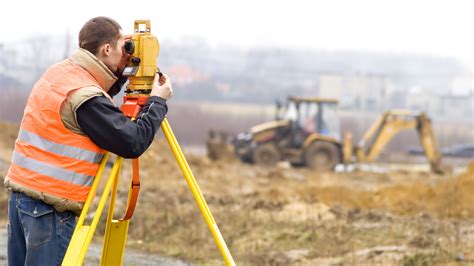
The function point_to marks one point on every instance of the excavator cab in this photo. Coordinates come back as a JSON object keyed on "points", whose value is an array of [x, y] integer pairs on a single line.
{"points": [[313, 116]]}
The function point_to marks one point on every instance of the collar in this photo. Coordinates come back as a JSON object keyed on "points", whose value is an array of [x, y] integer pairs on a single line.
{"points": [[104, 76]]}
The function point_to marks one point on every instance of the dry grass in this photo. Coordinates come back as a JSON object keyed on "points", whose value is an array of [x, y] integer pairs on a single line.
{"points": [[284, 216]]}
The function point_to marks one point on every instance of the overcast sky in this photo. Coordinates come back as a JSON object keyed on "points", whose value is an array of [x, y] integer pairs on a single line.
{"points": [[443, 28]]}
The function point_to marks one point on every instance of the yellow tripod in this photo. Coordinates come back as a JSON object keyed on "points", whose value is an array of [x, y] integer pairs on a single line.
{"points": [[143, 49], [116, 230]]}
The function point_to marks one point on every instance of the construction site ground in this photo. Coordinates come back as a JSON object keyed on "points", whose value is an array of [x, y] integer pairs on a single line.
{"points": [[377, 214]]}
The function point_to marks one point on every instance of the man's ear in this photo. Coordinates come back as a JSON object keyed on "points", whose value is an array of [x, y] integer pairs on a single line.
{"points": [[104, 50], [107, 49]]}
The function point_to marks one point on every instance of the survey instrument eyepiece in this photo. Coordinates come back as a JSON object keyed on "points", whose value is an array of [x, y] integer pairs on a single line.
{"points": [[129, 47]]}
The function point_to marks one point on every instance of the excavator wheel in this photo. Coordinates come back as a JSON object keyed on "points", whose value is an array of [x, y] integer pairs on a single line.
{"points": [[266, 154], [322, 156]]}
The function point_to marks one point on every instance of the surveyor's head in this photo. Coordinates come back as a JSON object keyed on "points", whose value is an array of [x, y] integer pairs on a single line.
{"points": [[102, 36]]}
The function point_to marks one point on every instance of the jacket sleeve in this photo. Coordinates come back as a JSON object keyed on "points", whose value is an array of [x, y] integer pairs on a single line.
{"points": [[107, 127]]}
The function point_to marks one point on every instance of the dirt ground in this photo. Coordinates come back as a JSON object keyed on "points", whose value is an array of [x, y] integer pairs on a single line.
{"points": [[288, 216]]}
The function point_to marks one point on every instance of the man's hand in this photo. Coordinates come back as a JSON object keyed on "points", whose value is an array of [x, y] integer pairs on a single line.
{"points": [[162, 87], [118, 84]]}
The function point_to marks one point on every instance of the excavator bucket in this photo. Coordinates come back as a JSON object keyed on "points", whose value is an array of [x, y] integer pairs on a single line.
{"points": [[428, 141], [218, 146]]}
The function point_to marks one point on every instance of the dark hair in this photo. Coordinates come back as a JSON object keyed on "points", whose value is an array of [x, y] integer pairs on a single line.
{"points": [[99, 31]]}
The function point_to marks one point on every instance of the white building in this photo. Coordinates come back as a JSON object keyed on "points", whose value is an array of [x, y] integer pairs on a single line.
{"points": [[355, 91]]}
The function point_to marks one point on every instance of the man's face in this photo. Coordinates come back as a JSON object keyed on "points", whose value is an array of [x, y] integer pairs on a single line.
{"points": [[116, 57]]}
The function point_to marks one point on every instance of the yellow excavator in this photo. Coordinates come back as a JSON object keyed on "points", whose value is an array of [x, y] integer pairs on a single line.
{"points": [[306, 132]]}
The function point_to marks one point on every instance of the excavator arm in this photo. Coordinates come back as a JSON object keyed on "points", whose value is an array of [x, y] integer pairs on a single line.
{"points": [[390, 124], [428, 141]]}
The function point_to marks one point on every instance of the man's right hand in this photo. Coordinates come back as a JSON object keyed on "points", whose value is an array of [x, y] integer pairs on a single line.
{"points": [[162, 87]]}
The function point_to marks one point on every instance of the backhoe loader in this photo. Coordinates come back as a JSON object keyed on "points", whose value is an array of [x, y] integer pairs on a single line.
{"points": [[306, 132]]}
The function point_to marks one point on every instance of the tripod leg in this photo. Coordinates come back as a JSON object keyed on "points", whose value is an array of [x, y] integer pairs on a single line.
{"points": [[92, 192], [82, 235], [115, 234], [188, 175]]}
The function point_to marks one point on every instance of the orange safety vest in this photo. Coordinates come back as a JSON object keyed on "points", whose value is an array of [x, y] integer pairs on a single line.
{"points": [[48, 157]]}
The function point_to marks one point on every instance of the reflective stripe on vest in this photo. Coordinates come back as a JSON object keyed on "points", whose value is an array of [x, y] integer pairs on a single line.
{"points": [[51, 170], [59, 149]]}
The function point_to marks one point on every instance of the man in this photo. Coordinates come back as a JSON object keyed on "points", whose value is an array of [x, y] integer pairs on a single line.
{"points": [[68, 124]]}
